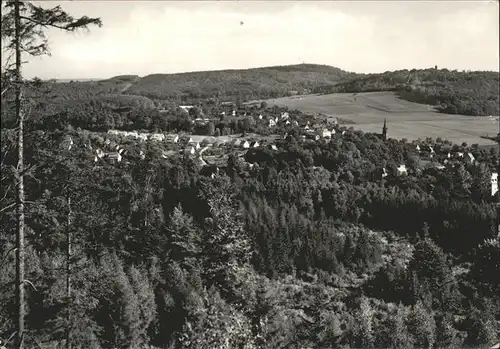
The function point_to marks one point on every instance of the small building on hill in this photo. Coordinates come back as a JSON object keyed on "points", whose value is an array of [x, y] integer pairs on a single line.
{"points": [[470, 159], [494, 183], [113, 157], [185, 140], [325, 133], [159, 137], [172, 138], [189, 151]]}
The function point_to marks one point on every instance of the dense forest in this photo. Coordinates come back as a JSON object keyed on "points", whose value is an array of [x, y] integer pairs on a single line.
{"points": [[234, 85], [309, 247], [313, 249], [310, 244]]}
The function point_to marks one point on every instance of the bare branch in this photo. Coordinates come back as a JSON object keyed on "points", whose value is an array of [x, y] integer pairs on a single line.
{"points": [[30, 283], [7, 207], [7, 255]]}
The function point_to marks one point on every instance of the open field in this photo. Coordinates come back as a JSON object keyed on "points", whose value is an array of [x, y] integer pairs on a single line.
{"points": [[405, 119]]}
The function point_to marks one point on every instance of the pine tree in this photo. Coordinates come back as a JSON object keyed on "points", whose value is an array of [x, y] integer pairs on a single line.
{"points": [[23, 30], [226, 246], [364, 330], [184, 241], [422, 326]]}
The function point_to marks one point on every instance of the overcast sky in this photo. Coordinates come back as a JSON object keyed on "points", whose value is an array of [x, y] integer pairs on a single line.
{"points": [[141, 37]]}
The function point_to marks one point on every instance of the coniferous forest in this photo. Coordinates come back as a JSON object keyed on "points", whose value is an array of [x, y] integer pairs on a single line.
{"points": [[304, 245]]}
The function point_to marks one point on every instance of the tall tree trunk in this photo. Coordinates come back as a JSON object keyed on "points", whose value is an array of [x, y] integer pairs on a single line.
{"points": [[20, 184], [68, 277]]}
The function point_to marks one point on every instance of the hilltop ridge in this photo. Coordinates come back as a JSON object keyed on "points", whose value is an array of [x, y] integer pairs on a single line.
{"points": [[449, 91]]}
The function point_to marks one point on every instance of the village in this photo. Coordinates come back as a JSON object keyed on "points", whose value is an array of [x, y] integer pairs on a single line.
{"points": [[274, 128]]}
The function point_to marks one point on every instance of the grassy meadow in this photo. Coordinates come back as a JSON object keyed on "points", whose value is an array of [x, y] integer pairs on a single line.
{"points": [[405, 119]]}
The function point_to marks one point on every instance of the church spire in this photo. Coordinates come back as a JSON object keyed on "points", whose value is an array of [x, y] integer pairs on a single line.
{"points": [[384, 130]]}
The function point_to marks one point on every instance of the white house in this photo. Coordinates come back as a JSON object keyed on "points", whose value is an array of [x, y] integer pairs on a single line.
{"points": [[190, 150], [272, 123], [234, 113], [114, 157], [246, 145], [157, 137], [70, 143], [494, 183], [470, 158], [417, 147], [325, 133], [402, 169], [100, 153], [172, 138], [255, 144], [285, 116], [274, 147]]}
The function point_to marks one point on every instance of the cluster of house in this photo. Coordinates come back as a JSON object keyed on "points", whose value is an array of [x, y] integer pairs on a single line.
{"points": [[427, 151], [454, 156], [284, 118], [193, 141], [116, 153], [137, 135], [317, 132], [197, 145]]}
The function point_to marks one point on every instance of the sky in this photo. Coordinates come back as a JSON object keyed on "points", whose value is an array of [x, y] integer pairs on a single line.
{"points": [[148, 37]]}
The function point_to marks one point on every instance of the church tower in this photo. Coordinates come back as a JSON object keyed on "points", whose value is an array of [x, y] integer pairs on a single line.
{"points": [[384, 131]]}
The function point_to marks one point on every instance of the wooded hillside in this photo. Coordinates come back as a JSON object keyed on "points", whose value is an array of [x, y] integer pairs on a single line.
{"points": [[454, 92], [258, 83]]}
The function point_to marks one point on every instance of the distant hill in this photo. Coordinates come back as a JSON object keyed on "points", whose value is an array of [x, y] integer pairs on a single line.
{"points": [[452, 92], [247, 84]]}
